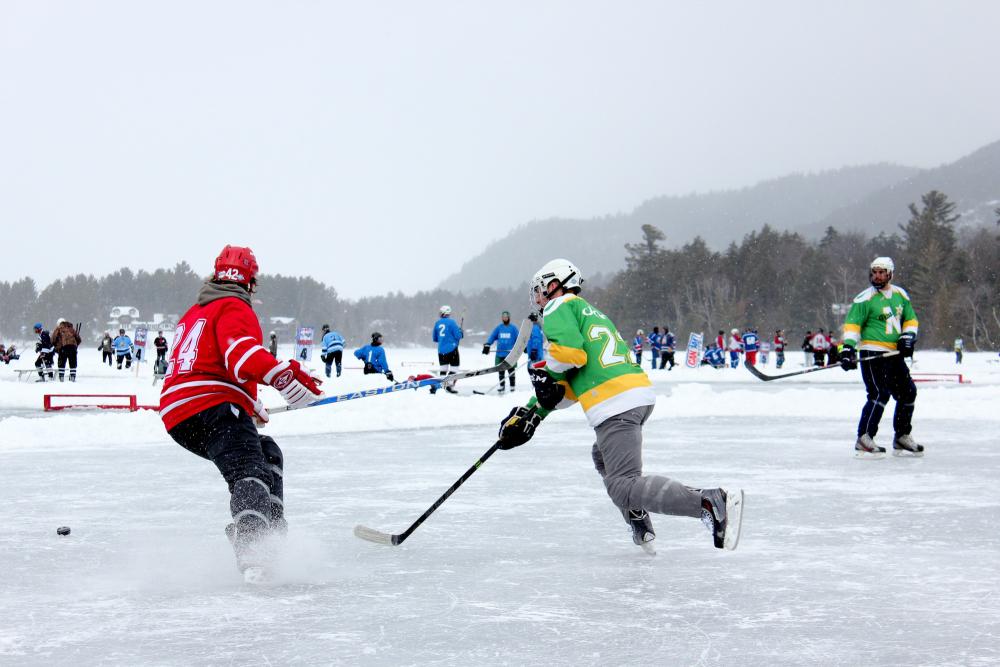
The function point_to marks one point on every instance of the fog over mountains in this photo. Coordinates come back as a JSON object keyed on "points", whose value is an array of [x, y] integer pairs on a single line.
{"points": [[869, 198]]}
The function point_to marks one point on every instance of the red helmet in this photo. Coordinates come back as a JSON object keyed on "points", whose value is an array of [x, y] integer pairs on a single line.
{"points": [[237, 264]]}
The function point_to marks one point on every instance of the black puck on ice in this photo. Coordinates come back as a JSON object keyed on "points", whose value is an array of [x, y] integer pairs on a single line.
{"points": [[62, 530]]}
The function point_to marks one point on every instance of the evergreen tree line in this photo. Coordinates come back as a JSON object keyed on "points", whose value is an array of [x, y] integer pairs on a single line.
{"points": [[779, 280], [769, 280]]}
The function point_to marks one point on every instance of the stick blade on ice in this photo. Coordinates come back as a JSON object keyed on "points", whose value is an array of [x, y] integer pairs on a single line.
{"points": [[372, 535]]}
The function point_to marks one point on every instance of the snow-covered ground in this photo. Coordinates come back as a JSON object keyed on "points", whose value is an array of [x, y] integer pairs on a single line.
{"points": [[841, 562]]}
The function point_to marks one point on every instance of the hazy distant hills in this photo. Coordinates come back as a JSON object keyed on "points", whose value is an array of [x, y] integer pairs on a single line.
{"points": [[973, 183], [872, 198]]}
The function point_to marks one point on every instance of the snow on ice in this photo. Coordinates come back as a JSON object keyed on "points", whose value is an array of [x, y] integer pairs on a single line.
{"points": [[841, 561]]}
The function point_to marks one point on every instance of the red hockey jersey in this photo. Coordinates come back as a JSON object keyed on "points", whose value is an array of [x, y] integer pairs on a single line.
{"points": [[217, 357]]}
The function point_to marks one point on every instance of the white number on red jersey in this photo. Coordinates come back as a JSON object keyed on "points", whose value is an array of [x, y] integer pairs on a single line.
{"points": [[186, 352]]}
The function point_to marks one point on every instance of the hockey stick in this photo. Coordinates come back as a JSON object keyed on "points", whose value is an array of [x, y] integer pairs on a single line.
{"points": [[510, 361], [494, 387], [377, 536], [767, 378]]}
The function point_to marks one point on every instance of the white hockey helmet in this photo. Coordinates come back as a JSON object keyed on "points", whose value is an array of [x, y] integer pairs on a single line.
{"points": [[639, 332], [734, 331], [881, 263], [445, 310], [562, 270]]}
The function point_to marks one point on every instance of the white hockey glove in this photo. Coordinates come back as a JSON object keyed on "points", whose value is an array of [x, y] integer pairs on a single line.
{"points": [[260, 415], [295, 385]]}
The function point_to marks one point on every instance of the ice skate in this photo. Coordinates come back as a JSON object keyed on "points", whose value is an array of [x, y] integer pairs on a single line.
{"points": [[254, 551], [865, 448], [906, 446], [451, 390], [722, 513], [642, 530]]}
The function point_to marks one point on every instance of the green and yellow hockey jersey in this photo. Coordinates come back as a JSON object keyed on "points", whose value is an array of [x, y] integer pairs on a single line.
{"points": [[585, 352], [878, 317]]}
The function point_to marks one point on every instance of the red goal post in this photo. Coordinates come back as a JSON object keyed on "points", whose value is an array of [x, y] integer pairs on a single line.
{"points": [[130, 403]]}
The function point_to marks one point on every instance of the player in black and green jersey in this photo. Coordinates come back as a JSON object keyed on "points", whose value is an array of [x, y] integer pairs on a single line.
{"points": [[882, 320], [587, 361]]}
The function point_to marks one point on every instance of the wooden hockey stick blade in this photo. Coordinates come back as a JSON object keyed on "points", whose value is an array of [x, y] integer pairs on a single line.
{"points": [[376, 536]]}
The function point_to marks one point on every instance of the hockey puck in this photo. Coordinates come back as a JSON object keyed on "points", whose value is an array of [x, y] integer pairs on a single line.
{"points": [[62, 530]]}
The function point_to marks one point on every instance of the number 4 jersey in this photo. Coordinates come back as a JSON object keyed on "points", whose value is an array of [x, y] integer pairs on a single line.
{"points": [[217, 356], [586, 352]]}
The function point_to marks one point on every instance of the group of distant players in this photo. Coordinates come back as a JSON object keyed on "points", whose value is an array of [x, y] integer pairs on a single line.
{"points": [[209, 401]]}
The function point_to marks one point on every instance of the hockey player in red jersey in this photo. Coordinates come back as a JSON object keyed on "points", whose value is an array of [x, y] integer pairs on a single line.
{"points": [[209, 401]]}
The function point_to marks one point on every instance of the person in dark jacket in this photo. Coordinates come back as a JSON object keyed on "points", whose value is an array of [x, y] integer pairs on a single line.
{"points": [[65, 340], [45, 352], [107, 348]]}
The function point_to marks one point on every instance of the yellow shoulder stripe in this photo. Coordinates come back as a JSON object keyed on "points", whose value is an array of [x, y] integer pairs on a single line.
{"points": [[568, 355]]}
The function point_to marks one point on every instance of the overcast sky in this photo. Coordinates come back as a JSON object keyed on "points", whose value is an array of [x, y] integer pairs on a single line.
{"points": [[378, 145]]}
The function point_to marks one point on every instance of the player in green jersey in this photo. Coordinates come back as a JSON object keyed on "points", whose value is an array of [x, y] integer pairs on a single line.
{"points": [[882, 320], [586, 361]]}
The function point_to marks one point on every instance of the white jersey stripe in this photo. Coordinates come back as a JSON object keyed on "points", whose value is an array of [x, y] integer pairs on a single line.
{"points": [[225, 357]]}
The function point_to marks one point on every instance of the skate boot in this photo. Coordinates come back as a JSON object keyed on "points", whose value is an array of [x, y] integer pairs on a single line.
{"points": [[451, 390], [253, 552], [905, 445], [722, 513], [642, 530], [865, 448]]}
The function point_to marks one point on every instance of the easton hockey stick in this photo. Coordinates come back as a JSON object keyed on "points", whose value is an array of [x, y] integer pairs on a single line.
{"points": [[767, 378], [377, 536], [510, 361]]}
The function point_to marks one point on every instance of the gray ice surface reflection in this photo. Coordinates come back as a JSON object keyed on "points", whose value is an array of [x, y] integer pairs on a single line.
{"points": [[842, 561]]}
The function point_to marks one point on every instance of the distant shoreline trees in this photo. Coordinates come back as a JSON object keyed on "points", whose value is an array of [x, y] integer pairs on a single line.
{"points": [[769, 280]]}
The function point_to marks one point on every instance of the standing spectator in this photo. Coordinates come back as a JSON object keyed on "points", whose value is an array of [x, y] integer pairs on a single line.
{"points": [[668, 343], [107, 347], [45, 352], [65, 339], [637, 345], [819, 344], [779, 347], [373, 356], [504, 335], [655, 345], [832, 349], [751, 344], [447, 334], [807, 347], [123, 349], [959, 349], [333, 349], [272, 345], [735, 348], [536, 342], [765, 352], [160, 343]]}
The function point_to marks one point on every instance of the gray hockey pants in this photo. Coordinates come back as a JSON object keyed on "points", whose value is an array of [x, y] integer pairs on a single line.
{"points": [[618, 458]]}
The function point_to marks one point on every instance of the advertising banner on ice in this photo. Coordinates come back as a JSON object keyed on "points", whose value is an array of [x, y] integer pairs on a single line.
{"points": [[140, 342], [693, 351], [304, 343]]}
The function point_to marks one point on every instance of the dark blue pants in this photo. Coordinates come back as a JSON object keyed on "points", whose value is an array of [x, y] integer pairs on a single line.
{"points": [[884, 379]]}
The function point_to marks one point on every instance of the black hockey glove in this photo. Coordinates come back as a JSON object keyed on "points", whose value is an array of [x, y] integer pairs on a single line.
{"points": [[905, 344], [518, 427], [389, 376], [369, 368], [849, 359], [548, 392], [486, 349]]}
